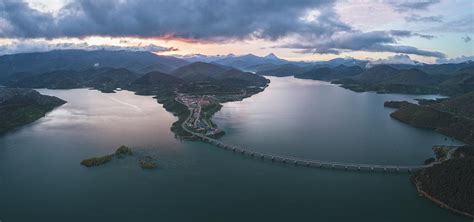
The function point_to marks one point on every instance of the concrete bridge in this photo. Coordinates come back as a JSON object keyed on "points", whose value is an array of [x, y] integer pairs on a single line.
{"points": [[296, 161]]}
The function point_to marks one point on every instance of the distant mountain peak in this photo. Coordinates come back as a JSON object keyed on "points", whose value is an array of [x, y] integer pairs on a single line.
{"points": [[250, 55], [271, 56]]}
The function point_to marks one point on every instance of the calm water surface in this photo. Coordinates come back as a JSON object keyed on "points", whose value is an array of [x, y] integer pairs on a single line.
{"points": [[41, 179]]}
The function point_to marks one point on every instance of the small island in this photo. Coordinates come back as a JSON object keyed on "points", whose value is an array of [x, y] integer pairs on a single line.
{"points": [[97, 161], [121, 152], [146, 162]]}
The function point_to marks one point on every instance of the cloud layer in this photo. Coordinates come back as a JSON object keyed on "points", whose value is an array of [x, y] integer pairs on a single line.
{"points": [[395, 59], [376, 41], [200, 19], [43, 46], [408, 5], [417, 18], [314, 24]]}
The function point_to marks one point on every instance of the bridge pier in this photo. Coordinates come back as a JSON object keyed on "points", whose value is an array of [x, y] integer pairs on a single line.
{"points": [[309, 163]]}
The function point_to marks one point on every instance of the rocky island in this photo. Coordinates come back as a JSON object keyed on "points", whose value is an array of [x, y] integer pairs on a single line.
{"points": [[146, 162], [121, 152]]}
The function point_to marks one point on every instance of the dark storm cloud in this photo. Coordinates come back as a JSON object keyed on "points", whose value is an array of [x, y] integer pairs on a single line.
{"points": [[417, 18], [18, 19], [377, 41], [207, 20], [198, 19], [407, 5]]}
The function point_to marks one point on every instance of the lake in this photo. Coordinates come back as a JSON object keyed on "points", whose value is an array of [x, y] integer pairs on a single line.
{"points": [[41, 178]]}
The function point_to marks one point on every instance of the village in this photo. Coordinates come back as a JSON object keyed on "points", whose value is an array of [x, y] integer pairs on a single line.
{"points": [[197, 120]]}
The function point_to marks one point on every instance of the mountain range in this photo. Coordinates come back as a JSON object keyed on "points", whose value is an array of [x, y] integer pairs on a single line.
{"points": [[107, 79], [25, 64], [108, 69]]}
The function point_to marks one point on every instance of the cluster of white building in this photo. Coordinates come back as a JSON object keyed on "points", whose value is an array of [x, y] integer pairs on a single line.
{"points": [[195, 122]]}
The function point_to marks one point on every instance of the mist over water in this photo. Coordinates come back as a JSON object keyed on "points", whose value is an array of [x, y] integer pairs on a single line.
{"points": [[41, 178]]}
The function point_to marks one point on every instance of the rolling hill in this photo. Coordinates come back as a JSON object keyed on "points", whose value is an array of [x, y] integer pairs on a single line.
{"points": [[22, 106], [287, 69], [78, 60], [201, 71], [328, 73], [376, 74], [414, 77], [157, 78], [66, 79]]}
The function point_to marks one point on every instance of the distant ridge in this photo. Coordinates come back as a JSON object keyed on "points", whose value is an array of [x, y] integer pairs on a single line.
{"points": [[41, 62], [157, 78], [201, 71]]}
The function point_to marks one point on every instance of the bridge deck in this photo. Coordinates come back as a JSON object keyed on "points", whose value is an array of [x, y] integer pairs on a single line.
{"points": [[302, 161]]}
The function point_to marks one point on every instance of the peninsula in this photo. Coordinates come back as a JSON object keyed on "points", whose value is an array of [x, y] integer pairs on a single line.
{"points": [[19, 106], [448, 183]]}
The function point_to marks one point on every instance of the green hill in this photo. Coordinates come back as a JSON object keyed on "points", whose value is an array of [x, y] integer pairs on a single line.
{"points": [[328, 73], [452, 117], [100, 78], [22, 106], [157, 78], [376, 74], [201, 71], [413, 77], [451, 182], [461, 105], [281, 70], [77, 60]]}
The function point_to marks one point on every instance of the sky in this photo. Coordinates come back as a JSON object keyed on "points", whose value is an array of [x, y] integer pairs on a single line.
{"points": [[431, 31]]}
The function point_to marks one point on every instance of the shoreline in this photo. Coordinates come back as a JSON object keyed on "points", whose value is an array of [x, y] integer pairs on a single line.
{"points": [[421, 192], [182, 120]]}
